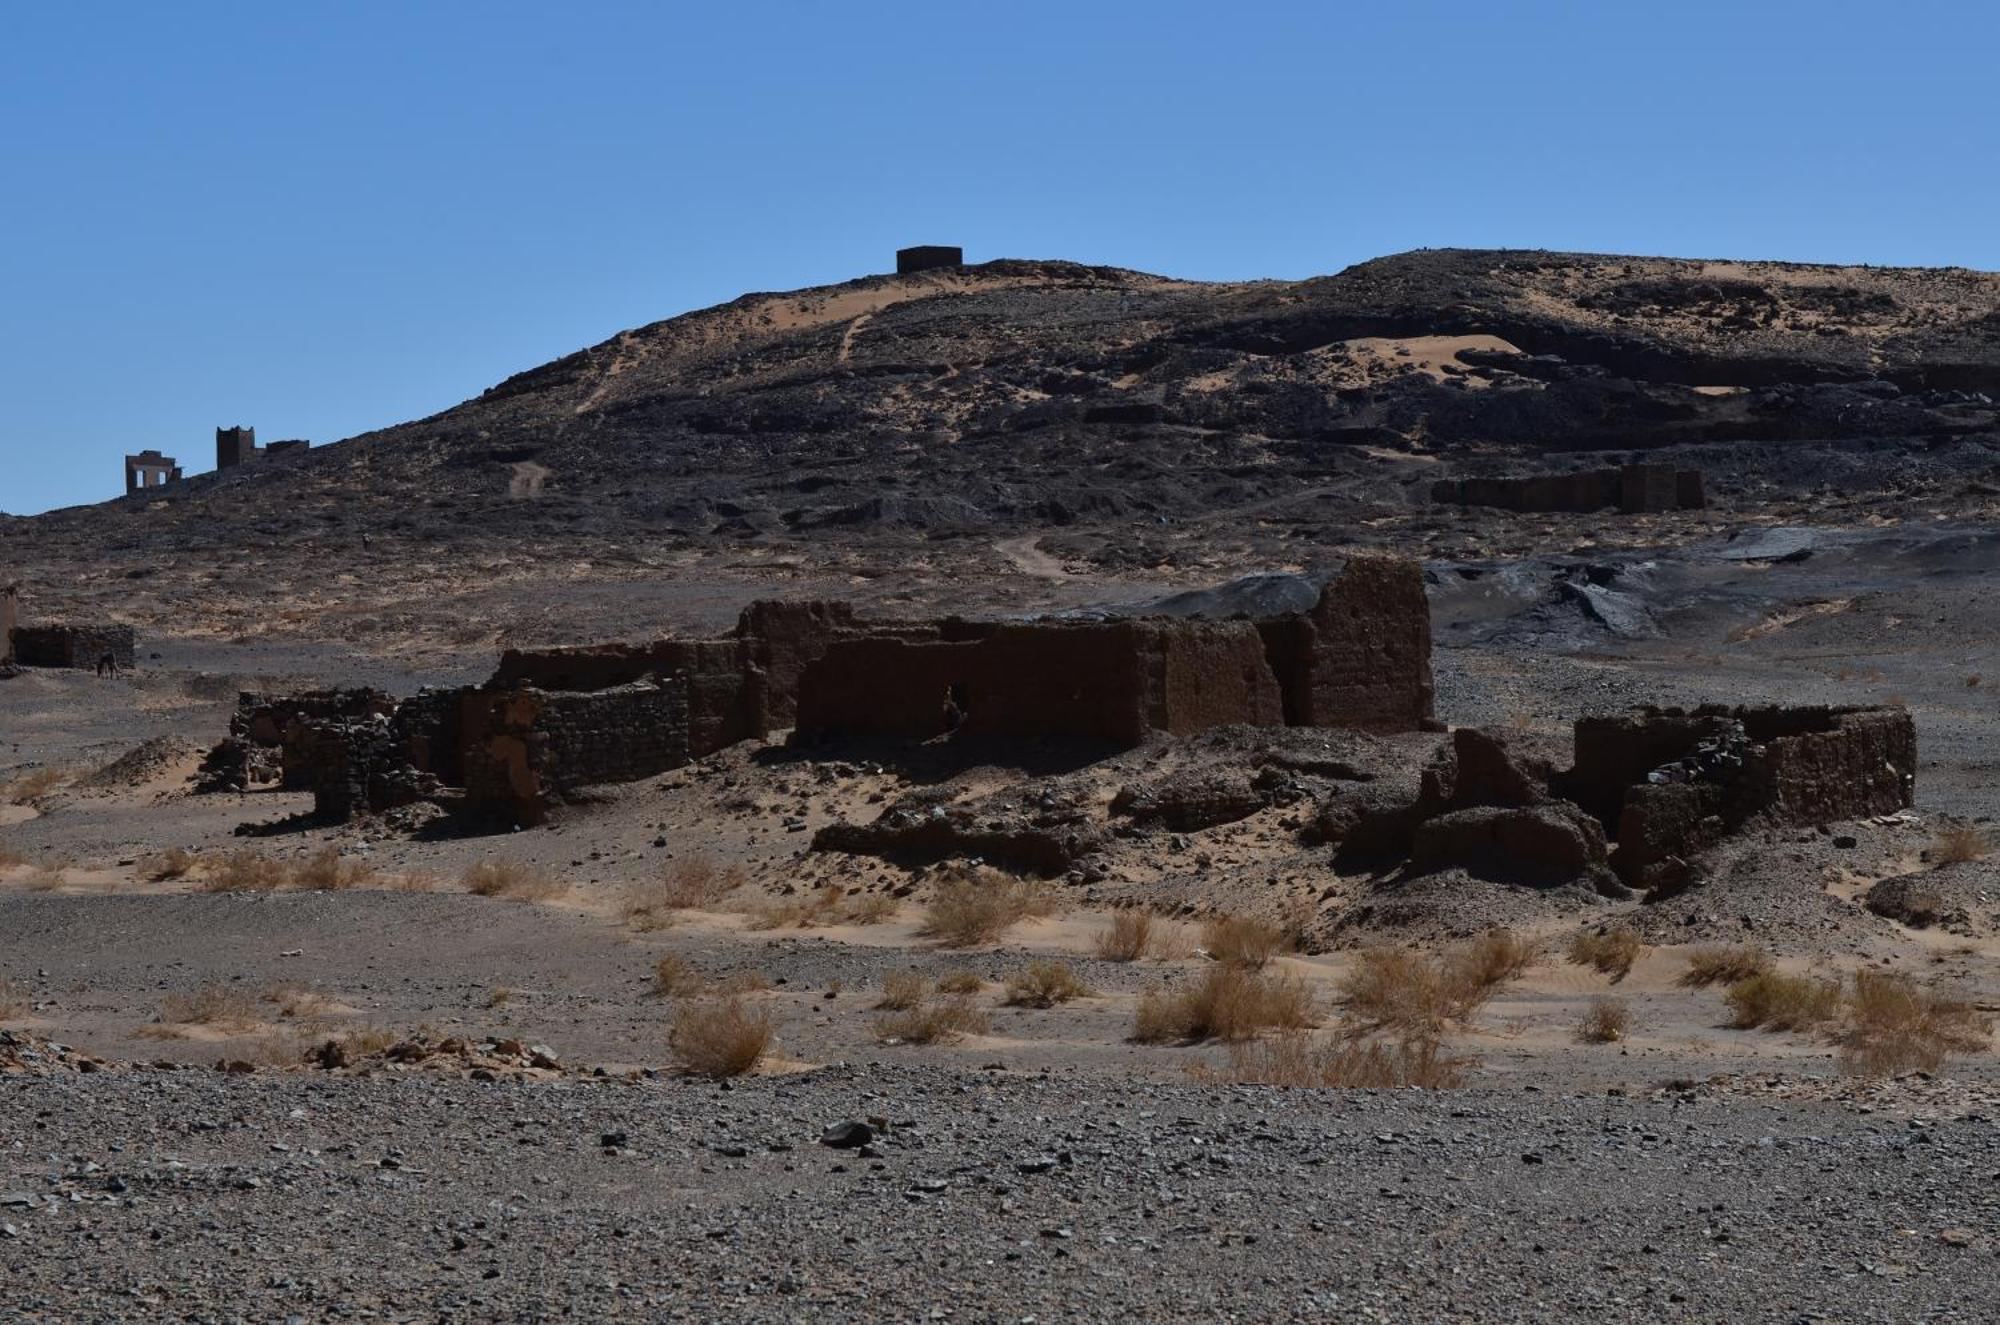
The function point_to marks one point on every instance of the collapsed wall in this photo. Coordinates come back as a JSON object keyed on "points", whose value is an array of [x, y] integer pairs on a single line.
{"points": [[522, 749], [1632, 489]]}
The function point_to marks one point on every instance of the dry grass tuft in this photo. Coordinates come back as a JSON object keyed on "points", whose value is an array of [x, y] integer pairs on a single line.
{"points": [[719, 1037], [1606, 1021], [1783, 1002], [243, 871], [214, 1004], [903, 990], [510, 879], [828, 904], [1723, 966], [1894, 1026], [931, 1021], [173, 863], [1497, 957], [297, 1002], [960, 982], [326, 870], [1611, 953], [1244, 941], [45, 879], [694, 884], [1224, 1003], [674, 977], [1959, 844], [1128, 938], [1296, 1060], [13, 999], [972, 907], [1417, 997], [30, 787], [1045, 984]]}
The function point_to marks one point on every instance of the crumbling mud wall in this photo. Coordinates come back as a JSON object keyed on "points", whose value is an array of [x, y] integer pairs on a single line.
{"points": [[1633, 489], [74, 645], [271, 738], [10, 612], [522, 750], [787, 637], [1362, 657], [1672, 782]]}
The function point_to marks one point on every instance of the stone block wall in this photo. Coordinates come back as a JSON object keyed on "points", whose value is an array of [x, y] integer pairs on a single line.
{"points": [[1362, 657], [523, 749]]}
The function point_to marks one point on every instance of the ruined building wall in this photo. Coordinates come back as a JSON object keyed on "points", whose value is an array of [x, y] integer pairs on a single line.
{"points": [[1198, 675], [10, 612], [1633, 489], [787, 637], [74, 645], [1362, 657], [523, 748]]}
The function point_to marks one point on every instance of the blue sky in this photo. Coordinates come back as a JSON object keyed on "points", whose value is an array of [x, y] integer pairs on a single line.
{"points": [[324, 218]]}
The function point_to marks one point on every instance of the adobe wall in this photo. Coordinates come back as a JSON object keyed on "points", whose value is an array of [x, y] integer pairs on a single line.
{"points": [[884, 686], [785, 638], [1632, 489], [726, 690], [1863, 763], [10, 612], [1197, 675], [1362, 657], [73, 646]]}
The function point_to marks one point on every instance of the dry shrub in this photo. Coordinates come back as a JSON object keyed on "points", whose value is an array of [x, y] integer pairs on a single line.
{"points": [[1295, 1059], [30, 787], [242, 871], [1960, 843], [828, 904], [1605, 1022], [297, 1001], [173, 863], [694, 884], [213, 1004], [510, 879], [719, 1037], [972, 907], [903, 990], [1244, 941], [1610, 953], [365, 1040], [1723, 966], [871, 909], [13, 999], [931, 1021], [1396, 989], [1894, 1026], [674, 977], [1779, 1002], [45, 879], [960, 982], [1129, 937], [500, 996], [1045, 984], [1495, 958], [327, 870], [1224, 1003]]}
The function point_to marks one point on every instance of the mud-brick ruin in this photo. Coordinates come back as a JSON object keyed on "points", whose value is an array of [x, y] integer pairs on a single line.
{"points": [[150, 469], [551, 721], [1631, 489], [60, 644]]}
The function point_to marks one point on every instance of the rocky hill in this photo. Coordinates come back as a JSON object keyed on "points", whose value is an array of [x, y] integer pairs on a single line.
{"points": [[1036, 415]]}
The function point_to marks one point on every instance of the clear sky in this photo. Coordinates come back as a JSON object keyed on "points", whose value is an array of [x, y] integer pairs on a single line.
{"points": [[321, 218]]}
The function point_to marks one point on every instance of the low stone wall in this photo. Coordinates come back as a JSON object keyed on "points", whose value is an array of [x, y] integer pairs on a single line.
{"points": [[523, 749], [74, 645]]}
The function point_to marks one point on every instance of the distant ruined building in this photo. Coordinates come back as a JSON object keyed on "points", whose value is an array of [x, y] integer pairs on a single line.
{"points": [[238, 446], [150, 469], [924, 257]]}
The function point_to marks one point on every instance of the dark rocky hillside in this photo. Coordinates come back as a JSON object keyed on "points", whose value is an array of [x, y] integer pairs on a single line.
{"points": [[1036, 415]]}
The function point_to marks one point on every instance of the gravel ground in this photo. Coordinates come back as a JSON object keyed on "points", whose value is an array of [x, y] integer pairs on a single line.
{"points": [[992, 1197]]}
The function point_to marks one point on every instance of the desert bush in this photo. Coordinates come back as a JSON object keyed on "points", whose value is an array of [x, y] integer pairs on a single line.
{"points": [[1605, 1021], [719, 1037], [13, 999], [327, 870], [30, 787], [903, 990], [1892, 1025], [1497, 957], [960, 982], [45, 879], [296, 1001], [173, 863], [1611, 953], [1224, 1003], [1127, 939], [869, 909], [693, 884], [1723, 966], [1960, 843], [972, 907], [828, 904], [243, 871], [1294, 1059], [510, 879], [1045, 984], [214, 1004], [674, 977], [1244, 941], [931, 1021], [1779, 1002]]}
